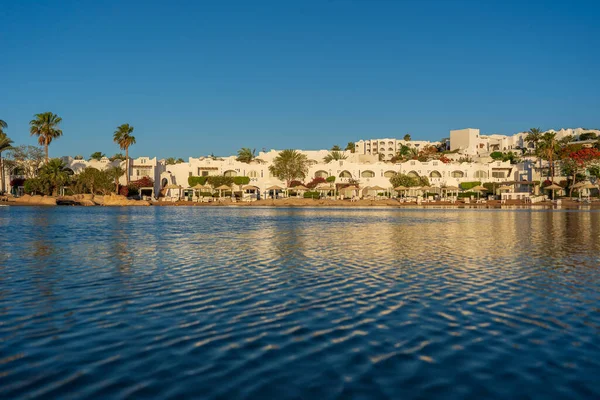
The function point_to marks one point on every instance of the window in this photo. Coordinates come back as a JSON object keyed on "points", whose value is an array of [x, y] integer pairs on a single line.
{"points": [[498, 174], [230, 173], [435, 174], [252, 174], [321, 174], [345, 174], [413, 174], [204, 173], [458, 174], [389, 174], [481, 174], [368, 174]]}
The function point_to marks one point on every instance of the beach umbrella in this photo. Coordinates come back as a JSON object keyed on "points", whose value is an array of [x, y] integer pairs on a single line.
{"points": [[479, 189], [221, 188], [275, 187], [451, 189], [299, 187], [505, 187], [554, 187], [173, 186]]}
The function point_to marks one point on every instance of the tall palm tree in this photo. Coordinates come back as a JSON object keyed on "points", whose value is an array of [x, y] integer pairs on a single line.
{"points": [[45, 127], [548, 148], [246, 155], [5, 144], [124, 139], [534, 136]]}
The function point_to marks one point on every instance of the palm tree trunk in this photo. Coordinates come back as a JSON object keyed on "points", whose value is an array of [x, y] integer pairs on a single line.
{"points": [[127, 166], [46, 148], [1, 173]]}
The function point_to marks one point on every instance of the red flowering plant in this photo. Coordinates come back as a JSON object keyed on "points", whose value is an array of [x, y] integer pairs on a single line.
{"points": [[312, 184]]}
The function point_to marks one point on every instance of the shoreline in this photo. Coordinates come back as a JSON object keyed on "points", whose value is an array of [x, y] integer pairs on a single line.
{"points": [[309, 203]]}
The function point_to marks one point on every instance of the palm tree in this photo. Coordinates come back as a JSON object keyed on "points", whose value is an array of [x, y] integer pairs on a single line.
{"points": [[97, 155], [116, 173], [548, 148], [56, 173], [336, 148], [289, 165], [534, 136], [335, 155], [3, 126], [124, 139], [351, 147], [246, 155], [5, 144], [45, 127], [407, 137]]}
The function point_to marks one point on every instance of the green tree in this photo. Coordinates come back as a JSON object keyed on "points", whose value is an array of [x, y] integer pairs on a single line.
{"points": [[97, 155], [336, 148], [534, 136], [118, 156], [351, 147], [404, 180], [246, 155], [289, 165], [54, 174], [115, 173], [407, 137], [588, 136], [3, 126], [548, 149], [170, 161], [180, 160], [335, 155], [45, 127], [92, 180], [124, 139], [5, 144]]}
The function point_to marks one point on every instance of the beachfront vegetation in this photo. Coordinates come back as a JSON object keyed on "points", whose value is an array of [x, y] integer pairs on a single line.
{"points": [[124, 139], [408, 181], [289, 165], [5, 144], [45, 127], [351, 147], [246, 155], [469, 185], [508, 156], [218, 180], [92, 180], [51, 177], [115, 173]]}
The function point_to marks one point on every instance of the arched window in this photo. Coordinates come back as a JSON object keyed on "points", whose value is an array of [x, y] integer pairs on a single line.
{"points": [[321, 174], [389, 174], [345, 174], [368, 174], [413, 174], [390, 149], [163, 182], [252, 174], [458, 174], [435, 174], [230, 173], [481, 174]]}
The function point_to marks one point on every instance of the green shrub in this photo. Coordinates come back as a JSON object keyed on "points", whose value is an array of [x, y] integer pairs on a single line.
{"points": [[195, 180], [219, 180], [330, 179], [34, 185], [490, 187], [241, 180], [469, 185], [311, 195]]}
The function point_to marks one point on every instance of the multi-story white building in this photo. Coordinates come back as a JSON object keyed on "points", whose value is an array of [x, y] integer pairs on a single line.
{"points": [[388, 147]]}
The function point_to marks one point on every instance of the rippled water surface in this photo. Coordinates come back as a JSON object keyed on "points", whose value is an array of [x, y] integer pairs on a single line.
{"points": [[167, 302]]}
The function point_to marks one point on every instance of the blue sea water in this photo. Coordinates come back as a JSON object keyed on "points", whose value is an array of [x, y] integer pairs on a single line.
{"points": [[254, 303]]}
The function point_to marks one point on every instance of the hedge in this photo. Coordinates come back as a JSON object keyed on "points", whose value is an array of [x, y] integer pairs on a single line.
{"points": [[469, 185], [311, 195], [330, 179], [218, 180], [195, 180]]}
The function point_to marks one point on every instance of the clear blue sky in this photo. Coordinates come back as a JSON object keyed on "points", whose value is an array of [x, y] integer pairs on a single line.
{"points": [[196, 77]]}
